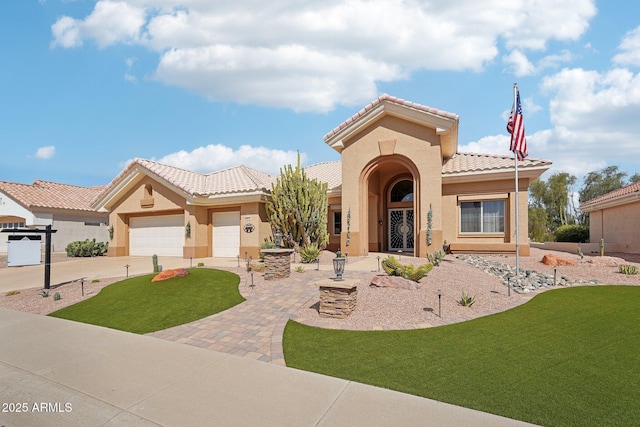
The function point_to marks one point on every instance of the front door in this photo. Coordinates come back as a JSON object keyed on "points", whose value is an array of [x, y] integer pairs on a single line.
{"points": [[401, 237]]}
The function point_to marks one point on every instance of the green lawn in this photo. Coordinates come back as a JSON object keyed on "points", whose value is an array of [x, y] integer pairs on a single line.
{"points": [[141, 306], [569, 357]]}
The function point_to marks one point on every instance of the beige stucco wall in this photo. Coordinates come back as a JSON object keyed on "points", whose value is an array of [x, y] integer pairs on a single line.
{"points": [[136, 203], [486, 190], [385, 151], [619, 227]]}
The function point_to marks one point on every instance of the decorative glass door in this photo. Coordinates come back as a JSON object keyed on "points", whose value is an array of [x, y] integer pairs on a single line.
{"points": [[401, 237]]}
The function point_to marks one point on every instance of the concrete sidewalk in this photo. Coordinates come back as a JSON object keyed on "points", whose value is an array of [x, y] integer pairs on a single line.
{"points": [[63, 373]]}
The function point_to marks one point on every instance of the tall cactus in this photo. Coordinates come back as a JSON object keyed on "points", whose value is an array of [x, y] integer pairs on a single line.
{"points": [[298, 207]]}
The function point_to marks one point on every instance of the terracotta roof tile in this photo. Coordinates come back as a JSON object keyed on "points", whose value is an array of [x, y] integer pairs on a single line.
{"points": [[238, 179], [329, 172], [629, 189], [52, 195], [395, 100], [472, 162]]}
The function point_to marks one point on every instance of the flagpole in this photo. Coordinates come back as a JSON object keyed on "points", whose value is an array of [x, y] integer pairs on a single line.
{"points": [[515, 156]]}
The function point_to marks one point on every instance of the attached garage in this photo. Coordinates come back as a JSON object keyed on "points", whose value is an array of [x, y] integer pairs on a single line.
{"points": [[156, 235], [226, 234]]}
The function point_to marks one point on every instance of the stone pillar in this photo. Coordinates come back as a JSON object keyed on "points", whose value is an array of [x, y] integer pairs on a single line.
{"points": [[337, 299], [277, 263]]}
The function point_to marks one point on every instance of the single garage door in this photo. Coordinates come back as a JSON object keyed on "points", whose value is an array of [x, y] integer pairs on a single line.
{"points": [[226, 234], [156, 235]]}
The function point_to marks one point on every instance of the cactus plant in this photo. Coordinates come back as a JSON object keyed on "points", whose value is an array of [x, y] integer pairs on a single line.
{"points": [[392, 267], [298, 207], [154, 258], [56, 296]]}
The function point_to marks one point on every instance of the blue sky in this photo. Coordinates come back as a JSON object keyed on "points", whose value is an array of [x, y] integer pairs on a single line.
{"points": [[87, 86]]}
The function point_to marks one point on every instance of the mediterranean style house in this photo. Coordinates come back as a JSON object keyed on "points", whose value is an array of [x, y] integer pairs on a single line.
{"points": [[67, 208], [401, 185], [615, 217]]}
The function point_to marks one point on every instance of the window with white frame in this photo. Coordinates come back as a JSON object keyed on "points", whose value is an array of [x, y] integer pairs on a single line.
{"points": [[337, 223], [482, 217]]}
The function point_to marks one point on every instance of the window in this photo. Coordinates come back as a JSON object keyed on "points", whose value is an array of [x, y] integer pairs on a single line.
{"points": [[337, 223], [482, 217], [402, 191]]}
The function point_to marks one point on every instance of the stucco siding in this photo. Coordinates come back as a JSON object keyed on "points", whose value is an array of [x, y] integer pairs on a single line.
{"points": [[619, 226]]}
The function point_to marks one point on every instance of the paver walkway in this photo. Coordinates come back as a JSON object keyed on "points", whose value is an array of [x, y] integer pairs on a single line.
{"points": [[253, 328]]}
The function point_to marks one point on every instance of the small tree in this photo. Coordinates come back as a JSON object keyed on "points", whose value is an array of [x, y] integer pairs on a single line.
{"points": [[298, 208]]}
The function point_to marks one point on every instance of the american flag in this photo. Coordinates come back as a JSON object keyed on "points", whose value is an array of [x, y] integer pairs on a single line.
{"points": [[515, 127]]}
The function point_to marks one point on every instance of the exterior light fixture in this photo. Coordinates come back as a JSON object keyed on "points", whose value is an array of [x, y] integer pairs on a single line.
{"points": [[278, 239], [338, 266]]}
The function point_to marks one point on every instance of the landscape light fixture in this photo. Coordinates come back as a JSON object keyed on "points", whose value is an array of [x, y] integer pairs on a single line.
{"points": [[127, 267], [378, 257], [439, 303], [278, 239], [338, 266]]}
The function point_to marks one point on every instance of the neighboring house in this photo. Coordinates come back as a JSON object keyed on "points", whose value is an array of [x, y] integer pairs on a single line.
{"points": [[401, 185], [67, 208], [615, 217]]}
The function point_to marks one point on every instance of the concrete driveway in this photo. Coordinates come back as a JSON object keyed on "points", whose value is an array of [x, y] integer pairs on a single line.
{"points": [[32, 276]]}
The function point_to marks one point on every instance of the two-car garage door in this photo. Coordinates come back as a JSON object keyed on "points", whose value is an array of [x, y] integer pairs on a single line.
{"points": [[156, 235], [164, 235]]}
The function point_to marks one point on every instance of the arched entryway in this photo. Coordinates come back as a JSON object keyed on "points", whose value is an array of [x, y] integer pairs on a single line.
{"points": [[389, 200]]}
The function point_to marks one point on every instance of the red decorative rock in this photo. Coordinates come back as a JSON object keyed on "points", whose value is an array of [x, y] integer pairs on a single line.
{"points": [[169, 274], [550, 259]]}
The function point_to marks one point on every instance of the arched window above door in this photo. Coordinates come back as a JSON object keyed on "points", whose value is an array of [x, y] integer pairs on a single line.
{"points": [[402, 191]]}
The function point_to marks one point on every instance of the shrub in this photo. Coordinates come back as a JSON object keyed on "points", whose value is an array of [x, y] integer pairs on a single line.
{"points": [[309, 253], [267, 244], [392, 267], [8, 294], [628, 269], [201, 264], [572, 233], [95, 280], [299, 268], [467, 300], [86, 248]]}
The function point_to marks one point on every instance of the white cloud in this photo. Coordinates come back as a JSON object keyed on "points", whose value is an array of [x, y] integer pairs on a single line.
{"points": [[520, 65], [215, 157], [630, 47], [110, 22], [312, 56], [45, 152]]}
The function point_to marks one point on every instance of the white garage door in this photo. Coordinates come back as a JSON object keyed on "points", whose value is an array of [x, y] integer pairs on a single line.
{"points": [[226, 234], [157, 235]]}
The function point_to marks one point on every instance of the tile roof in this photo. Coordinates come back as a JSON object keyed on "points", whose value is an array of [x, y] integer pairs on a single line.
{"points": [[473, 162], [52, 195], [329, 172], [394, 100], [238, 179], [620, 192]]}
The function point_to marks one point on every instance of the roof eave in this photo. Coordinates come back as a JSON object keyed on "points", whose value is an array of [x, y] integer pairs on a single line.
{"points": [[230, 198], [493, 175], [443, 125], [611, 203]]}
